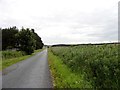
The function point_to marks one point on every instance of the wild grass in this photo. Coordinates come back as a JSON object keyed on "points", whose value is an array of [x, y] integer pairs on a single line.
{"points": [[12, 54], [98, 64], [12, 57]]}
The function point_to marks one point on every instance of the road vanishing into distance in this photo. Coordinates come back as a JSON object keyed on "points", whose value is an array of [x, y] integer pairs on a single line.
{"points": [[31, 73]]}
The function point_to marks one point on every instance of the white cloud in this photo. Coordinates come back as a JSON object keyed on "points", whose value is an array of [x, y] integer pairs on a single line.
{"points": [[63, 21]]}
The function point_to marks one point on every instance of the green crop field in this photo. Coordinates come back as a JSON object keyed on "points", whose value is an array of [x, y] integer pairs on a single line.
{"points": [[97, 64]]}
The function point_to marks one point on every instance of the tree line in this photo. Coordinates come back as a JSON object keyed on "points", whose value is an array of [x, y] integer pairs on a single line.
{"points": [[21, 39]]}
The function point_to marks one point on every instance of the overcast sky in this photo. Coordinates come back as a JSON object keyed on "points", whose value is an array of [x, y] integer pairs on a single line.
{"points": [[64, 21]]}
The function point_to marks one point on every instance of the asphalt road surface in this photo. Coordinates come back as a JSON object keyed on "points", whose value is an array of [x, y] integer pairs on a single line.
{"points": [[31, 73]]}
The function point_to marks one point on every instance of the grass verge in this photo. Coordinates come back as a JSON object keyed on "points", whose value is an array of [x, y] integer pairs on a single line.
{"points": [[63, 77], [9, 62]]}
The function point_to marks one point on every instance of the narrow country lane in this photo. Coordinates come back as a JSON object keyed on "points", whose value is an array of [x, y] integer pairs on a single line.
{"points": [[31, 73]]}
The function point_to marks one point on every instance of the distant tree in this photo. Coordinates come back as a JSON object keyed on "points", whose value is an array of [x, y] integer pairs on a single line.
{"points": [[39, 43], [8, 37], [0, 39], [26, 41]]}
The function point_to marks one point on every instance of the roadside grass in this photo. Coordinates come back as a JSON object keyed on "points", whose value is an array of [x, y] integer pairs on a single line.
{"points": [[62, 76], [10, 61], [8, 54], [0, 64]]}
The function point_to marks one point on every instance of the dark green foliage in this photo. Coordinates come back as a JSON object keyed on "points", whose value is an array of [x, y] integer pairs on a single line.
{"points": [[98, 63], [25, 39], [39, 43], [8, 37], [0, 39]]}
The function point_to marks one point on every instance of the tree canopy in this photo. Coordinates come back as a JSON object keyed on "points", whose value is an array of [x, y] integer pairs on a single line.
{"points": [[24, 39], [8, 38]]}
